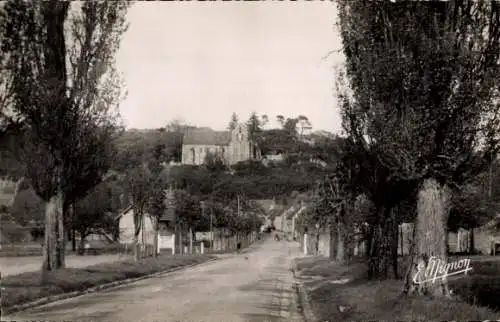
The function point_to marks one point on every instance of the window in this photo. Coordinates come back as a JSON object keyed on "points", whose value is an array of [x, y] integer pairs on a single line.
{"points": [[193, 156]]}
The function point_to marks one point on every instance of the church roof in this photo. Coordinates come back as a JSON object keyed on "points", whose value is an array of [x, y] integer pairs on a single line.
{"points": [[206, 137]]}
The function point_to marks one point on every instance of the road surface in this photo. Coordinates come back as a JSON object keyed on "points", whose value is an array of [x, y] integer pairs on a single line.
{"points": [[18, 265], [253, 286]]}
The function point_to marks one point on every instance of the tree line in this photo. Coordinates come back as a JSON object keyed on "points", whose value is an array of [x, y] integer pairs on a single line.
{"points": [[419, 101]]}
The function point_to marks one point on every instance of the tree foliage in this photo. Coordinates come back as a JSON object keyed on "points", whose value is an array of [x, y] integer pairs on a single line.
{"points": [[94, 213], [436, 106], [28, 207], [233, 122], [419, 97], [65, 92]]}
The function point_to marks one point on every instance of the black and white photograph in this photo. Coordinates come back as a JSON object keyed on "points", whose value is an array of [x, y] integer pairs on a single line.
{"points": [[249, 161]]}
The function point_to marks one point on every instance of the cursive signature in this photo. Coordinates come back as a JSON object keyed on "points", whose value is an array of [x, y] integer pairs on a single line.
{"points": [[439, 269]]}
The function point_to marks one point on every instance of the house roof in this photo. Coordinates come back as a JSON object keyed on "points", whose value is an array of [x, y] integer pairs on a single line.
{"points": [[169, 214], [292, 211], [123, 212], [204, 136]]}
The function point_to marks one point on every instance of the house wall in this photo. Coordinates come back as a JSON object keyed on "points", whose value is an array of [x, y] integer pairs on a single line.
{"points": [[274, 157], [201, 152], [278, 222], [324, 244], [167, 238], [484, 239], [239, 149], [288, 225], [126, 226], [457, 242]]}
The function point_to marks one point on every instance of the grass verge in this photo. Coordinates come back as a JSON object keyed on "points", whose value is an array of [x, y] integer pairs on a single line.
{"points": [[27, 287], [382, 300]]}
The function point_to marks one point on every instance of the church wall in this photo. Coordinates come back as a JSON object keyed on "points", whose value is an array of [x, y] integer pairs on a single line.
{"points": [[200, 152]]}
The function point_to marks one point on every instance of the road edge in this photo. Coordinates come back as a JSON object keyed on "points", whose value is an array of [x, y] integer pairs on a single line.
{"points": [[93, 289], [305, 303], [304, 299]]}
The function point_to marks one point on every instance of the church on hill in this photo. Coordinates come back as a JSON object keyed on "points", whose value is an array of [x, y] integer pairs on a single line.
{"points": [[231, 146]]}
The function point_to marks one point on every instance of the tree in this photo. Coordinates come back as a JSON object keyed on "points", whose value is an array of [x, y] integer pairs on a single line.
{"points": [[187, 212], [138, 184], [65, 108], [281, 120], [290, 127], [157, 205], [264, 119], [27, 207], [94, 213], [253, 126], [233, 122], [303, 123], [214, 163], [177, 125], [424, 101], [156, 209]]}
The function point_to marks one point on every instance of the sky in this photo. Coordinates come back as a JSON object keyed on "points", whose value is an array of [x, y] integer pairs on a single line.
{"points": [[202, 61]]}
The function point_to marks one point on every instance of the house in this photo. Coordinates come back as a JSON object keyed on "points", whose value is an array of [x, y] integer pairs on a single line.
{"points": [[231, 146], [166, 234], [486, 239], [126, 228]]}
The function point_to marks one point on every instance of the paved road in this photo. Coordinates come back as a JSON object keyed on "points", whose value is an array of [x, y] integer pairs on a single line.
{"points": [[18, 265], [255, 288]]}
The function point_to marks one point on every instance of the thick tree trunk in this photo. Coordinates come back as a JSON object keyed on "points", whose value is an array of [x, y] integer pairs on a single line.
{"points": [[429, 240], [381, 246], [73, 227], [471, 241], [54, 236], [369, 236], [81, 247], [333, 242], [61, 237], [155, 237], [190, 240], [73, 238], [401, 240], [316, 246], [394, 243], [340, 254], [137, 230]]}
